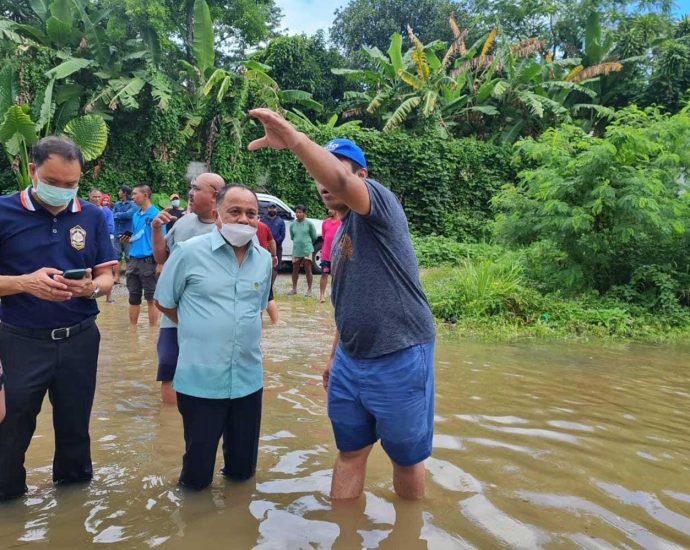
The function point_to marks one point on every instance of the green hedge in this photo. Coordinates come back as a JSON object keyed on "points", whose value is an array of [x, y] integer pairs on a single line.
{"points": [[445, 186]]}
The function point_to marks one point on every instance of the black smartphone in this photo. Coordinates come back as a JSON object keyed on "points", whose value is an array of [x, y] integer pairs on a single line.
{"points": [[126, 233], [74, 274]]}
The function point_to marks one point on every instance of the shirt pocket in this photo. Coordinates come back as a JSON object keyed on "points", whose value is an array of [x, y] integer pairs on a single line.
{"points": [[249, 294]]}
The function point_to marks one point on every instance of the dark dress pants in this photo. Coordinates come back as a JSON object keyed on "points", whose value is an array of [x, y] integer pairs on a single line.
{"points": [[238, 421], [66, 369]]}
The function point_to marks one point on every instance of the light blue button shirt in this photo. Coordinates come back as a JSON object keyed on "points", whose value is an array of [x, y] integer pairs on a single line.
{"points": [[219, 305]]}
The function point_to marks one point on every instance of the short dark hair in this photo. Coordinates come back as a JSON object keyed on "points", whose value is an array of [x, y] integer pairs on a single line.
{"points": [[62, 147], [95, 190], [144, 189], [355, 167], [220, 196], [301, 207], [126, 190]]}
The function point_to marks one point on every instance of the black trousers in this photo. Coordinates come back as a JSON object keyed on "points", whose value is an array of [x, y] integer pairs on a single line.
{"points": [[205, 421], [66, 369]]}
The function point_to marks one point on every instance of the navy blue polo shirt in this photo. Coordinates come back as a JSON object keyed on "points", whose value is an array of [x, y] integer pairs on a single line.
{"points": [[32, 238]]}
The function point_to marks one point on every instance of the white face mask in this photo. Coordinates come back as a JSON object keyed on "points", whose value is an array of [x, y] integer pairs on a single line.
{"points": [[237, 234], [175, 202]]}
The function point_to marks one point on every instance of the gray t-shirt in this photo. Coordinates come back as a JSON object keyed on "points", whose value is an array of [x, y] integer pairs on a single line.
{"points": [[187, 227], [380, 307]]}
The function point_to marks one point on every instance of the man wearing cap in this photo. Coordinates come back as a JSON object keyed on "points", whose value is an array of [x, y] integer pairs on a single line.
{"points": [[55, 259], [380, 376], [123, 211], [200, 220], [175, 211]]}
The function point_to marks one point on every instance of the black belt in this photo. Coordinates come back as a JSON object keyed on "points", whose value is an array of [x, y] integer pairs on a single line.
{"points": [[51, 333], [146, 259]]}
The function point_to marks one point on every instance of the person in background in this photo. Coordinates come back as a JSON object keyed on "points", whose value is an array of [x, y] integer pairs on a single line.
{"points": [[200, 220], [123, 211], [96, 198], [175, 211], [329, 228], [56, 260], [105, 202], [266, 240], [141, 268], [380, 375], [277, 226], [303, 235], [215, 287]]}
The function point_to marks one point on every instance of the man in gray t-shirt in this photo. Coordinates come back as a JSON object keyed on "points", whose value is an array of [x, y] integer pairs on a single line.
{"points": [[380, 376], [201, 220]]}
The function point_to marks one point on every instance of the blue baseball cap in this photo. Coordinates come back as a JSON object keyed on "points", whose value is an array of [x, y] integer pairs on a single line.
{"points": [[346, 149]]}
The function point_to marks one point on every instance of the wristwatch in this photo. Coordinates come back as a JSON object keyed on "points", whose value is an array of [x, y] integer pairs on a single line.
{"points": [[96, 293]]}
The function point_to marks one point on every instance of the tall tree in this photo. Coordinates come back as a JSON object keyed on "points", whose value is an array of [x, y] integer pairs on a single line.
{"points": [[372, 22], [304, 63]]}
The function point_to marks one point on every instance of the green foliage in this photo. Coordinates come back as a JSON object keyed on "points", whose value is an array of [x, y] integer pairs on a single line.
{"points": [[610, 204], [90, 133]]}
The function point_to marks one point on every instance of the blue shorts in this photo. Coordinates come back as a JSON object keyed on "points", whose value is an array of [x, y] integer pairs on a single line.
{"points": [[389, 398], [167, 354], [325, 267]]}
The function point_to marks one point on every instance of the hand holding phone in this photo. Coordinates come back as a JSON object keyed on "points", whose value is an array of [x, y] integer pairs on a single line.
{"points": [[74, 274]]}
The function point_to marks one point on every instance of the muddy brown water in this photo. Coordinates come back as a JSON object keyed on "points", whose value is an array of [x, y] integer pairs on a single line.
{"points": [[536, 446]]}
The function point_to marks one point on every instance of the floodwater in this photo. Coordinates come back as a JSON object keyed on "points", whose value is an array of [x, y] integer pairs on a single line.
{"points": [[536, 446]]}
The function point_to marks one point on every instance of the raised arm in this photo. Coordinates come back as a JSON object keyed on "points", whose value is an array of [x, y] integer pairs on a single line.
{"points": [[321, 164]]}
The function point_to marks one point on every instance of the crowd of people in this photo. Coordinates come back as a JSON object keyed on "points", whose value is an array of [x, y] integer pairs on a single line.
{"points": [[209, 269]]}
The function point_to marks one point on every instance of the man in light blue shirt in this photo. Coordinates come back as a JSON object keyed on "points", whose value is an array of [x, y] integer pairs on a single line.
{"points": [[215, 287]]}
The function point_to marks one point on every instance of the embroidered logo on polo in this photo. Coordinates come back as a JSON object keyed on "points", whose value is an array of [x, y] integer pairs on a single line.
{"points": [[77, 237]]}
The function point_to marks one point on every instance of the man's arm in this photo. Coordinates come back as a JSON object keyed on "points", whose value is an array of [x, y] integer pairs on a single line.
{"points": [[321, 164], [273, 249], [280, 237], [327, 373], [169, 313], [158, 240]]}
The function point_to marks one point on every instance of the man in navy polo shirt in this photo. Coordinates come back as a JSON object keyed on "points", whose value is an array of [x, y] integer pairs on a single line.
{"points": [[48, 335]]}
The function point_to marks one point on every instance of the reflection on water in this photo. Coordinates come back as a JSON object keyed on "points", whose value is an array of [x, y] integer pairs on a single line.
{"points": [[536, 446]]}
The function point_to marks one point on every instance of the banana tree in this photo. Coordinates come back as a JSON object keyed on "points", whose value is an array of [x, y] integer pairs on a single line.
{"points": [[19, 131]]}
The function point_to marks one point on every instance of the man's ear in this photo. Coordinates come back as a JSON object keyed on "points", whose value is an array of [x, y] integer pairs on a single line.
{"points": [[362, 173], [32, 169]]}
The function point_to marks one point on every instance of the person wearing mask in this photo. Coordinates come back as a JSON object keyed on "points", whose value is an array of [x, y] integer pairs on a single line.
{"points": [[215, 287], [200, 220], [303, 235], [56, 260], [96, 198], [175, 211], [141, 268], [329, 228], [123, 211]]}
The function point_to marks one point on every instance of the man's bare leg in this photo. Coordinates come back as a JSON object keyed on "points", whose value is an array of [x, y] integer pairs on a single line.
{"points": [[408, 481], [349, 473], [153, 314], [309, 274], [168, 394], [295, 275], [272, 310], [323, 285], [134, 314]]}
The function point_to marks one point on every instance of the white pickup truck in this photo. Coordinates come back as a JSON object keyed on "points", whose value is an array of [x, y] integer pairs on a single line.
{"points": [[288, 215]]}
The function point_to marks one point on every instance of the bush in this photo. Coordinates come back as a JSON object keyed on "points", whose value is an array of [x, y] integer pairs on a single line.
{"points": [[600, 208]]}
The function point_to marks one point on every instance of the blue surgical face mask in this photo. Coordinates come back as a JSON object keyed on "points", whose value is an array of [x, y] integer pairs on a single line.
{"points": [[175, 202], [55, 196]]}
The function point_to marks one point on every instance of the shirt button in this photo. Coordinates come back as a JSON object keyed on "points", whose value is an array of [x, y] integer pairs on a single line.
{"points": [[54, 230], [54, 219]]}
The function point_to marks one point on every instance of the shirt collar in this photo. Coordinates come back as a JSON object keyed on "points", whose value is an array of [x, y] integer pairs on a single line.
{"points": [[26, 198]]}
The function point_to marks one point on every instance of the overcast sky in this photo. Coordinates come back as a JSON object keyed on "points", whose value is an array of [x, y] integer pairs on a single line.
{"points": [[308, 16]]}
